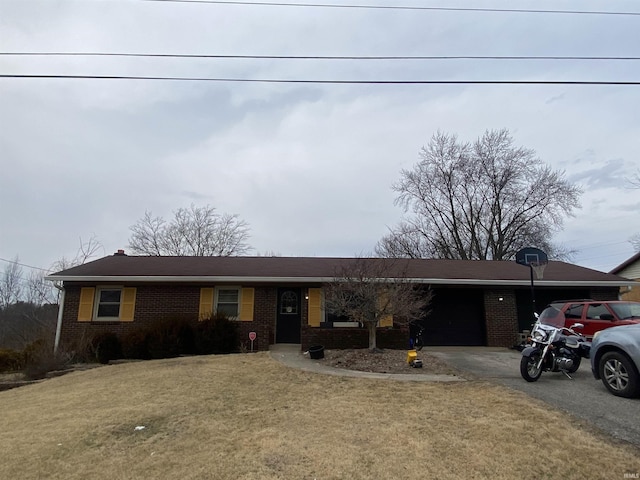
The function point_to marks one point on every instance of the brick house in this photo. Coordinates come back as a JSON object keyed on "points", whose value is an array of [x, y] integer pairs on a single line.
{"points": [[280, 298]]}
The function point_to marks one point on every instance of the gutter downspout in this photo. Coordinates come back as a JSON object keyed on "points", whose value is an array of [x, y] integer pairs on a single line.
{"points": [[60, 313]]}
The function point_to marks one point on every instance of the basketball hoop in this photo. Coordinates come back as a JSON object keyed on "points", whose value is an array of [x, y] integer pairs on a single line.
{"points": [[538, 269], [536, 260]]}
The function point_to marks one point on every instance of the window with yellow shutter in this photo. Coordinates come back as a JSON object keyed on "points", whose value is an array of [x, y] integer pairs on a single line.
{"points": [[113, 304]]}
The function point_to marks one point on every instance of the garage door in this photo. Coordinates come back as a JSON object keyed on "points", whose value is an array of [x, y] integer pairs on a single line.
{"points": [[457, 318]]}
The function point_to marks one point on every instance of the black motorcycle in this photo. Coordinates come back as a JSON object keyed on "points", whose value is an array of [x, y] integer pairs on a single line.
{"points": [[553, 347]]}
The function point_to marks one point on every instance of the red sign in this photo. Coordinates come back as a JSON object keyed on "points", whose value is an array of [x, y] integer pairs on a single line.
{"points": [[252, 336]]}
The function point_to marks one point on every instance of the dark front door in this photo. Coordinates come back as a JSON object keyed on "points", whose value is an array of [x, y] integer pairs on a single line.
{"points": [[289, 315]]}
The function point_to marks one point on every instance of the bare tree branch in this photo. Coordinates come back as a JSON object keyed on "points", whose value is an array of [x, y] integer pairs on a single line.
{"points": [[10, 283], [370, 289], [194, 231], [480, 201]]}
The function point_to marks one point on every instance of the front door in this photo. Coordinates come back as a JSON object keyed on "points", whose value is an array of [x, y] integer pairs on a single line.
{"points": [[289, 315]]}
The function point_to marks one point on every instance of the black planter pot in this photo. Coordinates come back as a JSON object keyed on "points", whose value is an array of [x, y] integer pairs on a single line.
{"points": [[316, 352]]}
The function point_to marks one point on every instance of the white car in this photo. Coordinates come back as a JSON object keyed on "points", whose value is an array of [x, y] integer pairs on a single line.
{"points": [[615, 359]]}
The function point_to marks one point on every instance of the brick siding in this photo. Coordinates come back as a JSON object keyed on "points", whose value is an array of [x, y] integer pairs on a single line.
{"points": [[163, 301], [501, 317]]}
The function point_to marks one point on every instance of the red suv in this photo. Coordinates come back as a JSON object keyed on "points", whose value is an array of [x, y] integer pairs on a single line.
{"points": [[597, 315]]}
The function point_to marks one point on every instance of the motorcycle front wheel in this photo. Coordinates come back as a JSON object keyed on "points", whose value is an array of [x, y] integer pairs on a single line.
{"points": [[529, 368]]}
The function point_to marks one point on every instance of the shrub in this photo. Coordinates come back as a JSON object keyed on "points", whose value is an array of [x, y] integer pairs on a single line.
{"points": [[135, 344], [170, 338], [106, 347], [39, 359], [217, 334], [10, 360]]}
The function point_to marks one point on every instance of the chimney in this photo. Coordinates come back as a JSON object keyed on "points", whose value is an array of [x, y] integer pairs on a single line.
{"points": [[119, 253]]}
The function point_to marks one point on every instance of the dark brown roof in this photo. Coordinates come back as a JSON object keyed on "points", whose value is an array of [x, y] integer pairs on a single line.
{"points": [[318, 269]]}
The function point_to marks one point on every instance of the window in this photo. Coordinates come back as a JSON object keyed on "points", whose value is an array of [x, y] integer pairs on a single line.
{"points": [[289, 303], [112, 304], [574, 311], [228, 301], [595, 310], [108, 304]]}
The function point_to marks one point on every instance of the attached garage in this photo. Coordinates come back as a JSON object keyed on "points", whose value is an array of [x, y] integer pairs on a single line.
{"points": [[456, 318]]}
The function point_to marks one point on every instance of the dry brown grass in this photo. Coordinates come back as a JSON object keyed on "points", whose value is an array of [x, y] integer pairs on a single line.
{"points": [[249, 417]]}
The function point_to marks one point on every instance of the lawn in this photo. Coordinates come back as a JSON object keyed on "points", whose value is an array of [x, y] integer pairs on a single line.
{"points": [[250, 417]]}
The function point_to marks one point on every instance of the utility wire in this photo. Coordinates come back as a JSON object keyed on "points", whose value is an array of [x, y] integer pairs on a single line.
{"points": [[315, 57], [334, 82], [401, 7], [24, 265]]}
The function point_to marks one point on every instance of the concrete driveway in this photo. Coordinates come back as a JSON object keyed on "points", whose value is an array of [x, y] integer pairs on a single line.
{"points": [[583, 396]]}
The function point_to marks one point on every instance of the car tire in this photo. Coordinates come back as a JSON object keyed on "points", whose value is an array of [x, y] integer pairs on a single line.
{"points": [[619, 375]]}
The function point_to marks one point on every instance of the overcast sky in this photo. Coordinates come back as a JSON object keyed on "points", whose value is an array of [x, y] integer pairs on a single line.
{"points": [[308, 166]]}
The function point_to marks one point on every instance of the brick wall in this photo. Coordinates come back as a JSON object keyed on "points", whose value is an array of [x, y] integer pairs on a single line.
{"points": [[264, 320], [153, 303], [160, 302], [605, 293], [501, 317], [353, 337]]}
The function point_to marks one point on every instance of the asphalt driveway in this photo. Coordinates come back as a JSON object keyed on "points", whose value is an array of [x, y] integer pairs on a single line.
{"points": [[583, 396]]}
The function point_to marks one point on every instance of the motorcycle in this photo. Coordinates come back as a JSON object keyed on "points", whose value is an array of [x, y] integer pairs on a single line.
{"points": [[553, 347]]}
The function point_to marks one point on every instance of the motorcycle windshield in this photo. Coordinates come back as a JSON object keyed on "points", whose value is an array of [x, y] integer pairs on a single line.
{"points": [[552, 316]]}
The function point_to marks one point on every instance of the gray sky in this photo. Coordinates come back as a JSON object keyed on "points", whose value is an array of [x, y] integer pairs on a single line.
{"points": [[308, 166]]}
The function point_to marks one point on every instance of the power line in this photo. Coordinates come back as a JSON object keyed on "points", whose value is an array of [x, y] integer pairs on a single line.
{"points": [[333, 82], [319, 57], [24, 265], [401, 7]]}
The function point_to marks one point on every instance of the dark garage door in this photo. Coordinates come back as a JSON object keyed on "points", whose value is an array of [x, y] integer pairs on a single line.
{"points": [[457, 318]]}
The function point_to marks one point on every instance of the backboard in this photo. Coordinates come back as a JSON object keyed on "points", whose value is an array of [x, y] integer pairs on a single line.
{"points": [[531, 256]]}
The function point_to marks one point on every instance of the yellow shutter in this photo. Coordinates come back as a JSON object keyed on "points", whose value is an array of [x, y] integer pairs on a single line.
{"points": [[85, 310], [315, 306], [246, 305], [128, 305], [385, 320], [206, 303]]}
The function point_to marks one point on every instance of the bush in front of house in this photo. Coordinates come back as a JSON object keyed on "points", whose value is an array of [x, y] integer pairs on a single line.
{"points": [[216, 334], [135, 344], [171, 338], [105, 347], [39, 359], [168, 338]]}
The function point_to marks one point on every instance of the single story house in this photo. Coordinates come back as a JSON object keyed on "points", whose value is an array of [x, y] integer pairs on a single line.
{"points": [[629, 269], [280, 299]]}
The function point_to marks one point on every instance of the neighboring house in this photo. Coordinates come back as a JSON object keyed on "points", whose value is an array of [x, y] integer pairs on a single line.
{"points": [[629, 269], [281, 298]]}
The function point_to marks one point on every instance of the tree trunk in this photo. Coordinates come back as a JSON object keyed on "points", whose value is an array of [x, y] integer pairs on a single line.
{"points": [[371, 326]]}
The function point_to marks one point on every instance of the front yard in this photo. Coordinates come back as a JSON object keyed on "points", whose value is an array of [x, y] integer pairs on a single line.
{"points": [[250, 417]]}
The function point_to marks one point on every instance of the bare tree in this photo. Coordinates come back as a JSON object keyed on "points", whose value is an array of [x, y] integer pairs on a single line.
{"points": [[86, 251], [371, 289], [39, 291], [194, 231], [635, 239], [11, 283], [480, 201]]}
